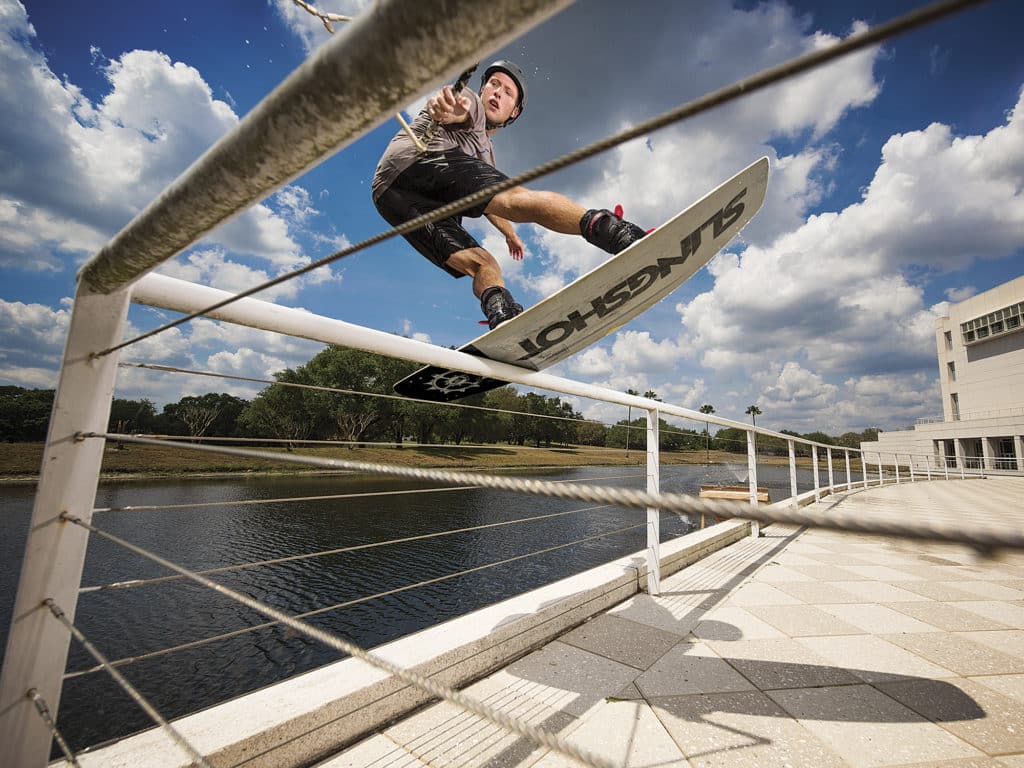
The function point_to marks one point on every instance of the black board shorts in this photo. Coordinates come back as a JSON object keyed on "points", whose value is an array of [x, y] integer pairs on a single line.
{"points": [[436, 179]]}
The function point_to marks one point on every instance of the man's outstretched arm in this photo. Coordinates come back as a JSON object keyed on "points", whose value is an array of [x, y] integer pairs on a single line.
{"points": [[515, 244]]}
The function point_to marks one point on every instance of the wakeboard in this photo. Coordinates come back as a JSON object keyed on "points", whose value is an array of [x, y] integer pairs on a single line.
{"points": [[607, 297]]}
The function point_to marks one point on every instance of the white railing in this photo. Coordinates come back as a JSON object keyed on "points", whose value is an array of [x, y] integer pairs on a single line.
{"points": [[381, 62]]}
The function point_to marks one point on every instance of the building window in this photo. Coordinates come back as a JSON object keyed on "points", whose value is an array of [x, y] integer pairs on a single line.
{"points": [[949, 339], [993, 324], [951, 368], [954, 400]]}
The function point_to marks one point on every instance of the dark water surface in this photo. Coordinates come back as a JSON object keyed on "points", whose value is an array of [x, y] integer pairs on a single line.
{"points": [[148, 618]]}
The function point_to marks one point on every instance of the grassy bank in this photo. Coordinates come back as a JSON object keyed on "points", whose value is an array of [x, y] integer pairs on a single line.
{"points": [[21, 461]]}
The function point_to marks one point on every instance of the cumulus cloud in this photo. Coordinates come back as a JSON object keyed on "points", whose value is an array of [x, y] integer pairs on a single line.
{"points": [[836, 290], [75, 171]]}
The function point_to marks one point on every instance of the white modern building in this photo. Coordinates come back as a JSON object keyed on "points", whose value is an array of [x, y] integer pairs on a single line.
{"points": [[981, 372]]}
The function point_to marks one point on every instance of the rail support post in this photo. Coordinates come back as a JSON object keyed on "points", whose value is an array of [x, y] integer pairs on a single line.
{"points": [[653, 514], [755, 526], [792, 474], [37, 647], [814, 466]]}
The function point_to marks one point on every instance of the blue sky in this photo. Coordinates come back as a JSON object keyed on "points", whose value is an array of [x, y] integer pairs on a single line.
{"points": [[897, 186]]}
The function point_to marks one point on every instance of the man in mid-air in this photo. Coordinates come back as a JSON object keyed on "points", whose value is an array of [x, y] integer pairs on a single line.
{"points": [[460, 161]]}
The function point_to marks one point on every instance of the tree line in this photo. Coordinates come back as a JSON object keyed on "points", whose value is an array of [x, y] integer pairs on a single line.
{"points": [[319, 401]]}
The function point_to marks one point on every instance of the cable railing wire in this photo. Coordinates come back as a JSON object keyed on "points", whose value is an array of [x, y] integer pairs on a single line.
{"points": [[128, 688], [329, 497], [519, 727], [932, 529], [349, 603], [44, 712], [855, 42], [336, 551]]}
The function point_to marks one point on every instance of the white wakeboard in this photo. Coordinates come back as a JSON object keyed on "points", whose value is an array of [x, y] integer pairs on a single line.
{"points": [[607, 297]]}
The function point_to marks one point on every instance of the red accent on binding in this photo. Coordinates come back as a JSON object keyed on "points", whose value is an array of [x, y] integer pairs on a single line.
{"points": [[619, 211]]}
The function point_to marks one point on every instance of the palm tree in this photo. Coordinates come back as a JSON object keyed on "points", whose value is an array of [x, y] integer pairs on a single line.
{"points": [[652, 395], [629, 418], [708, 409], [754, 411]]}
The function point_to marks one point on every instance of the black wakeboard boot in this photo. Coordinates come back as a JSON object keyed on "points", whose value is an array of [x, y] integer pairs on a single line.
{"points": [[499, 306], [607, 231]]}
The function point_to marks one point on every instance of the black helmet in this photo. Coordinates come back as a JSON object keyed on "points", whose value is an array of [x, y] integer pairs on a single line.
{"points": [[510, 69]]}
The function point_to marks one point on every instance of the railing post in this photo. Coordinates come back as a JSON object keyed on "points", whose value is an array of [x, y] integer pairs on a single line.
{"points": [[896, 466], [910, 463], [817, 480], [945, 462], [653, 514], [928, 466], [755, 526], [881, 479], [864, 468], [849, 478], [37, 647], [831, 476], [792, 473]]}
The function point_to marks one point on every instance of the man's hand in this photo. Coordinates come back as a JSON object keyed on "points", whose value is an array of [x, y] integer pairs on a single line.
{"points": [[446, 108], [515, 246]]}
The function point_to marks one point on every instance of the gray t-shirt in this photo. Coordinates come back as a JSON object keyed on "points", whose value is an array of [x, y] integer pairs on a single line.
{"points": [[470, 137]]}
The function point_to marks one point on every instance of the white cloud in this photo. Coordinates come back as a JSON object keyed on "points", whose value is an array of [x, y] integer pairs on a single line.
{"points": [[960, 294], [833, 290], [75, 171]]}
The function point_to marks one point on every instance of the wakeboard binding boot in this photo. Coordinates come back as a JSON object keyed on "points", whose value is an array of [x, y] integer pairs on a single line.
{"points": [[499, 306]]}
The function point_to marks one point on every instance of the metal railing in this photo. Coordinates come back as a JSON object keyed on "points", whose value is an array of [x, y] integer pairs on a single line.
{"points": [[327, 103]]}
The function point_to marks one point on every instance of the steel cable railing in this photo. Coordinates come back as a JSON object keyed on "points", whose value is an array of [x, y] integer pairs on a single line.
{"points": [[338, 551], [44, 712], [126, 686], [349, 603], [524, 729]]}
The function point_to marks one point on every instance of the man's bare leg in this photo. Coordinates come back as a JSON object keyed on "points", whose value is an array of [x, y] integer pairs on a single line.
{"points": [[480, 265], [496, 302], [549, 209], [560, 214]]}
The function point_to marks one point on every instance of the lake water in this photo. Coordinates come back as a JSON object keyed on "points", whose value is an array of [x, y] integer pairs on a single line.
{"points": [[131, 622]]}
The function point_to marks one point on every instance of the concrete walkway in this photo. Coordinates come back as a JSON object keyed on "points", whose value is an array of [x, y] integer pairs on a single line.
{"points": [[800, 648]]}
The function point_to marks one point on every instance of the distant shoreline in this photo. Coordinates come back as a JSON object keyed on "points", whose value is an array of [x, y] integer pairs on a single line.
{"points": [[19, 462]]}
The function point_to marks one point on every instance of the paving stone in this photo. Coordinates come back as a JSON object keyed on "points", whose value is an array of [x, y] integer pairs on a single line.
{"points": [[1008, 613], [622, 640], [943, 591], [579, 678], [785, 663], [879, 592], [979, 715], [624, 733], [731, 623], [740, 730], [669, 613], [761, 594], [868, 728], [873, 659], [802, 620], [947, 616], [877, 619], [1010, 641], [378, 751], [1008, 685], [957, 653], [991, 590], [690, 668], [883, 573], [775, 572], [825, 573], [446, 736], [818, 594]]}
